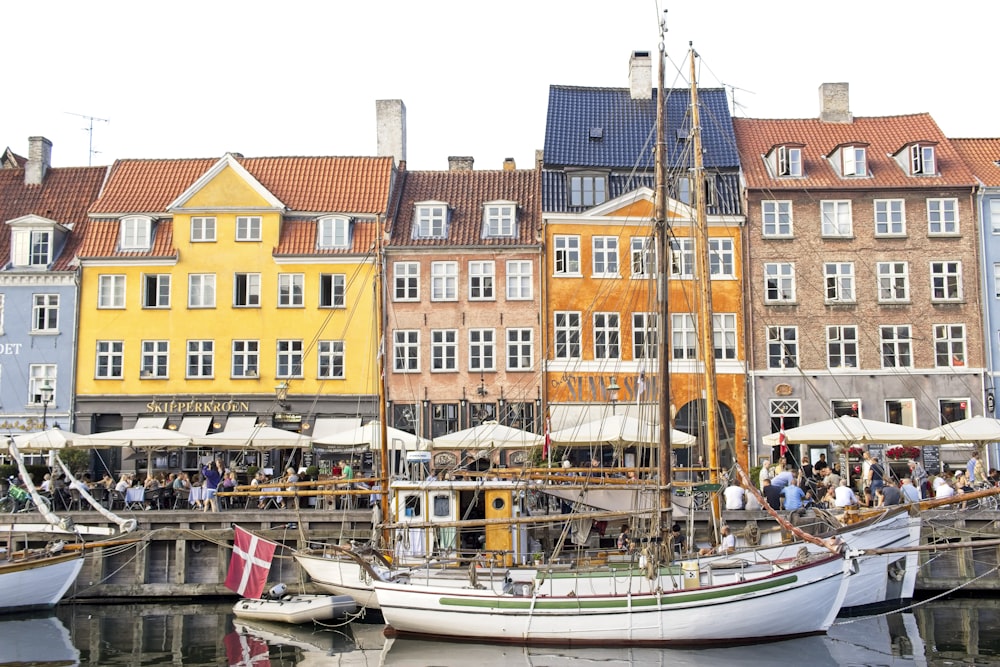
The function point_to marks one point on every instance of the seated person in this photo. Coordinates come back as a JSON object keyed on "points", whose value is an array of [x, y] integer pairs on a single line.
{"points": [[677, 539], [726, 545], [735, 497]]}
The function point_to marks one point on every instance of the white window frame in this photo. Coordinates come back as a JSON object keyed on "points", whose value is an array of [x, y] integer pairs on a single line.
{"points": [[44, 313], [854, 161], [289, 355], [604, 256], [331, 360], [201, 290], [444, 281], [200, 355], [907, 410], [155, 360], [682, 258], [782, 346], [842, 346], [896, 345], [430, 220], [923, 160], [642, 251], [111, 291], [837, 218], [482, 350], [203, 229], [251, 290], [333, 232], [520, 349], [782, 275], [444, 350], [332, 290], [942, 216], [136, 233], [890, 217], [724, 336], [776, 219], [499, 219], [645, 336], [520, 280], [566, 334], [566, 255], [893, 282], [156, 285], [683, 337], [607, 334], [31, 247], [721, 258], [789, 161], [406, 280], [109, 362], [245, 358], [839, 279], [995, 215], [406, 351], [950, 346], [291, 290], [482, 280], [946, 281], [585, 190], [249, 228], [38, 374]]}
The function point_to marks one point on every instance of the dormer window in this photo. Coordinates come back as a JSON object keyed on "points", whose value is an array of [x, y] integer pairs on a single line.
{"points": [[334, 232], [854, 161], [499, 219], [918, 158], [430, 220], [33, 241], [586, 190], [789, 161], [136, 233]]}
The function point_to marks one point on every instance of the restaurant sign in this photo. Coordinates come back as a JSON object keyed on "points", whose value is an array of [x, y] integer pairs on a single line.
{"points": [[181, 407]]}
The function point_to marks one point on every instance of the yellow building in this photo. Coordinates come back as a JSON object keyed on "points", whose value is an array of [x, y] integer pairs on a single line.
{"points": [[209, 287]]}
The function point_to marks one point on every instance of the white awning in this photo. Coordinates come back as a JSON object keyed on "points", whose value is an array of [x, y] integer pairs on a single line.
{"points": [[195, 426], [325, 426], [239, 423], [150, 422]]}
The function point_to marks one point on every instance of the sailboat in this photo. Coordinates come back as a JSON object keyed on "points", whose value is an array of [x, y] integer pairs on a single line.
{"points": [[649, 603]]}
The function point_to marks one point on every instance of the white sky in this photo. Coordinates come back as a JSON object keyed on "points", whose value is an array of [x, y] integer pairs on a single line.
{"points": [[288, 77]]}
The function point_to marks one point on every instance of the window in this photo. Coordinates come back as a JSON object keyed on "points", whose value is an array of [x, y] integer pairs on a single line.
{"points": [[953, 409], [896, 346], [202, 230], [444, 281], [645, 337], [332, 288], [444, 350], [499, 220], [890, 217], [38, 375], [567, 335], [643, 251], [110, 358], [785, 412], [839, 281], [682, 189], [519, 280], [995, 216], [444, 419], [893, 282], [45, 313], [331, 359], [684, 337], [482, 350], [156, 290], [482, 412], [901, 411], [431, 221], [248, 228], [520, 349], [854, 161], [721, 258], [246, 358], [406, 281], [842, 347], [246, 290], [681, 258], [333, 233], [946, 281], [201, 290], [789, 161], [607, 336], [587, 189], [135, 233], [111, 291], [949, 345], [836, 218], [922, 160], [567, 255], [155, 359], [200, 358], [782, 347], [291, 290], [406, 351], [289, 359], [482, 276], [942, 216], [605, 256], [779, 282], [776, 218], [845, 407], [31, 247], [724, 335]]}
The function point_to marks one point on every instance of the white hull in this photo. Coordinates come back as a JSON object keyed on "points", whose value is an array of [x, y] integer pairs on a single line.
{"points": [[37, 584], [295, 608], [340, 576], [781, 604]]}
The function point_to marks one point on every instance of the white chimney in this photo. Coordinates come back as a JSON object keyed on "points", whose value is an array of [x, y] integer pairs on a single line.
{"points": [[39, 160], [390, 118], [640, 75], [835, 103]]}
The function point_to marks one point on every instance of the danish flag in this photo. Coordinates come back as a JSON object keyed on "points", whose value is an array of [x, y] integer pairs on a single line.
{"points": [[250, 563], [782, 443], [246, 650]]}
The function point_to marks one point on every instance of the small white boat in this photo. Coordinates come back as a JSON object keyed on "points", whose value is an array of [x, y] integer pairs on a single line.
{"points": [[295, 608], [37, 579]]}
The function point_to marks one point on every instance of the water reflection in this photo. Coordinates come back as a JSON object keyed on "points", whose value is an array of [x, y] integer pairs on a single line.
{"points": [[954, 631]]}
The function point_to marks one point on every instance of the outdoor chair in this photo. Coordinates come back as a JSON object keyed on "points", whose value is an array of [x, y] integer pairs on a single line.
{"points": [[181, 497], [75, 500]]}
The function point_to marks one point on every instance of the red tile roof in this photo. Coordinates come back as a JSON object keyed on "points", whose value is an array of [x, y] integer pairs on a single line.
{"points": [[982, 156], [101, 241], [884, 135], [466, 192], [64, 196], [298, 237], [314, 184]]}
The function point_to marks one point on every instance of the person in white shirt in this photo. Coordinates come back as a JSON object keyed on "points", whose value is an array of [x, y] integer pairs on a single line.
{"points": [[942, 489], [844, 495], [909, 492], [766, 472], [735, 497]]}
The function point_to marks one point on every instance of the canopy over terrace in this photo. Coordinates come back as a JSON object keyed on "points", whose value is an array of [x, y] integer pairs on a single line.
{"points": [[619, 430], [136, 438], [488, 435], [53, 438], [851, 430], [370, 437], [256, 437]]}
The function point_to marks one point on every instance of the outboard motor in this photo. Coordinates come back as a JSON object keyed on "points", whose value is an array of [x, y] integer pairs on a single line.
{"points": [[277, 592]]}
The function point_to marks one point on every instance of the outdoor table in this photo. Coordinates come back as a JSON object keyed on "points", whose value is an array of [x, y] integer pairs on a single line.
{"points": [[135, 498]]}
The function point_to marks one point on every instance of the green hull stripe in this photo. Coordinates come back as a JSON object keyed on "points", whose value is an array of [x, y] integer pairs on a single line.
{"points": [[543, 603]]}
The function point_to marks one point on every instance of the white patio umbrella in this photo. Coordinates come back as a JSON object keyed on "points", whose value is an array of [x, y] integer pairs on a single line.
{"points": [[978, 430], [256, 437], [53, 438], [136, 438], [850, 430], [489, 434], [619, 430], [370, 434]]}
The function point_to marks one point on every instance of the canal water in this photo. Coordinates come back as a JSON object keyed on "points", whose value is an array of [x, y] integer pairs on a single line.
{"points": [[943, 632]]}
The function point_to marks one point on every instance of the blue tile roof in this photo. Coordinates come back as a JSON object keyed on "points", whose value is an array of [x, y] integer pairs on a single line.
{"points": [[627, 128]]}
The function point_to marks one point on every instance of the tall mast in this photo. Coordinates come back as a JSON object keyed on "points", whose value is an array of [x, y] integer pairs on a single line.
{"points": [[662, 252], [380, 356], [704, 280]]}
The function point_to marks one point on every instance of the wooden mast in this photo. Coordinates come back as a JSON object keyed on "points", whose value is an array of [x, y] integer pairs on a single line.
{"points": [[380, 355]]}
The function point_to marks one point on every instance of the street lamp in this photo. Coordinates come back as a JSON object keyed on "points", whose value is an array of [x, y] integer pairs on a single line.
{"points": [[613, 390], [281, 392], [46, 391]]}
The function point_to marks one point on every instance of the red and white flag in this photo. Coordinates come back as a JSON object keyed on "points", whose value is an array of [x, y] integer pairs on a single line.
{"points": [[250, 563], [246, 650], [548, 436], [782, 443]]}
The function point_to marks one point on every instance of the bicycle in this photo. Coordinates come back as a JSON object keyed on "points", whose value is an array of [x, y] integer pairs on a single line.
{"points": [[989, 502], [18, 500]]}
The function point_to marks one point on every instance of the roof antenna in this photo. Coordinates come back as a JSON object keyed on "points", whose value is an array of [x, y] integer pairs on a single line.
{"points": [[90, 134]]}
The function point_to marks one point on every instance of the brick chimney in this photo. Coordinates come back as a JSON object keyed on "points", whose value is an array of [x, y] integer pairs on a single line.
{"points": [[39, 160], [509, 164], [835, 103], [390, 119], [460, 162], [640, 75]]}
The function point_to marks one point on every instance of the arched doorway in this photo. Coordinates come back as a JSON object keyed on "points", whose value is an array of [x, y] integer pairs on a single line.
{"points": [[691, 419]]}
